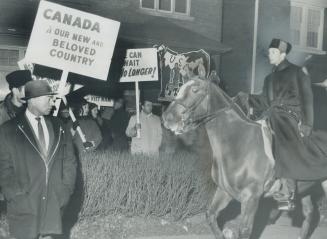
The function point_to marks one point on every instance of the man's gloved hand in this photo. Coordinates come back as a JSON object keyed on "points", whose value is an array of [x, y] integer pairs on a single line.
{"points": [[305, 130], [244, 97], [88, 145]]}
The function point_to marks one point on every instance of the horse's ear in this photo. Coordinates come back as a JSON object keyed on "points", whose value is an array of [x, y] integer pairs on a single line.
{"points": [[202, 77], [214, 78]]}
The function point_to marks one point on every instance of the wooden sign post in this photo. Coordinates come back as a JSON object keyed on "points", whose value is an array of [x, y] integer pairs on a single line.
{"points": [[66, 38], [140, 65]]}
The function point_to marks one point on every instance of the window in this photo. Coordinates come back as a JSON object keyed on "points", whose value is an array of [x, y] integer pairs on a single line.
{"points": [[307, 23], [147, 4], [167, 7], [9, 57]]}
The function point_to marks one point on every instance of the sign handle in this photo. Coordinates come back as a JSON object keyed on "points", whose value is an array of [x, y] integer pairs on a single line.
{"points": [[137, 95], [78, 128], [61, 88], [62, 97]]}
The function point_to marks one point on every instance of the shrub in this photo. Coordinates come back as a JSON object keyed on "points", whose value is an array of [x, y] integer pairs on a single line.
{"points": [[176, 185]]}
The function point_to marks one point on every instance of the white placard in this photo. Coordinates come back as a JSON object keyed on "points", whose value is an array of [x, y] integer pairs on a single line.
{"points": [[23, 64], [72, 40], [99, 100], [140, 65]]}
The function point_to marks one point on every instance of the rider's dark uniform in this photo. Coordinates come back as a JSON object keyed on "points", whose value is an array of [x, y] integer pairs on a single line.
{"points": [[287, 101]]}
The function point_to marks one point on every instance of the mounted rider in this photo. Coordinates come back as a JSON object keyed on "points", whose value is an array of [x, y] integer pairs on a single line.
{"points": [[287, 103]]}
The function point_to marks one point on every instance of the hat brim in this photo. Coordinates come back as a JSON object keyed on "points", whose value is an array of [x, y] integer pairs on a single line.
{"points": [[34, 96]]}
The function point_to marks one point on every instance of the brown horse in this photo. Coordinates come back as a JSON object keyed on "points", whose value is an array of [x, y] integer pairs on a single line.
{"points": [[241, 168]]}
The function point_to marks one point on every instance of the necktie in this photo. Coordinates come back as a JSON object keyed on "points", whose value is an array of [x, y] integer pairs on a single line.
{"points": [[41, 134]]}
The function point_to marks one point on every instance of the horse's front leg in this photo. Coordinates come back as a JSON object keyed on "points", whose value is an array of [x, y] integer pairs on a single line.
{"points": [[218, 203], [249, 204]]}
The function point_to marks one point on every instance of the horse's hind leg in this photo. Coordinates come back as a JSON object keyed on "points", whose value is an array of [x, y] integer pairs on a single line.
{"points": [[307, 209], [218, 203], [249, 205], [324, 187]]}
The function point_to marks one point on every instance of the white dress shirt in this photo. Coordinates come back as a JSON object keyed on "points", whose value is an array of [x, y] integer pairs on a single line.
{"points": [[33, 122]]}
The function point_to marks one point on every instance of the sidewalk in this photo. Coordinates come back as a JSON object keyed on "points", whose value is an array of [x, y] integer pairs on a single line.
{"points": [[271, 232], [280, 230]]}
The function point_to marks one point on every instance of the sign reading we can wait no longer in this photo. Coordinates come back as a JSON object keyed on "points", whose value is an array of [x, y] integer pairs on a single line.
{"points": [[72, 40], [140, 65]]}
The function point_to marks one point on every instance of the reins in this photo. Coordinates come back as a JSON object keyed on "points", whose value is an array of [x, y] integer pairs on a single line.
{"points": [[206, 117]]}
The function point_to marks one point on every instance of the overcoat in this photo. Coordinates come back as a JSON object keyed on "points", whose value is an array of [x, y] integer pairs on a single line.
{"points": [[118, 124], [287, 102], [8, 110], [36, 186]]}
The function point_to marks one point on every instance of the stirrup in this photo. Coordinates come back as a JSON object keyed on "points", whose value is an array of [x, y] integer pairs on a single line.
{"points": [[286, 205]]}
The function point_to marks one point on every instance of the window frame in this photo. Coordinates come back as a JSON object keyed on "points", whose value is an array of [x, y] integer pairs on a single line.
{"points": [[9, 68], [21, 54], [172, 13], [303, 45], [172, 7]]}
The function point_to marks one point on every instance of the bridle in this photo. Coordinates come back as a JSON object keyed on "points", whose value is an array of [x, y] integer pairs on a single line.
{"points": [[202, 119]]}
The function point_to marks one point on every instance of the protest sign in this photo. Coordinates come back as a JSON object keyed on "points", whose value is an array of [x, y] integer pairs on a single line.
{"points": [[177, 68], [99, 100], [24, 64], [140, 65], [72, 40]]}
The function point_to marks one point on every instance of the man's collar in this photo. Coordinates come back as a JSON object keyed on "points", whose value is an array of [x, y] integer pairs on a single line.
{"points": [[284, 64], [30, 115], [147, 115]]}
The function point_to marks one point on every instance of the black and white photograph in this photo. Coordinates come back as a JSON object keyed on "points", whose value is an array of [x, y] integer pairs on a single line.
{"points": [[163, 119]]}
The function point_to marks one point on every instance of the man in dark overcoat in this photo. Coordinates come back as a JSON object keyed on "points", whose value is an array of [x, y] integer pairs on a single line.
{"points": [[37, 166], [287, 102], [13, 104], [118, 124]]}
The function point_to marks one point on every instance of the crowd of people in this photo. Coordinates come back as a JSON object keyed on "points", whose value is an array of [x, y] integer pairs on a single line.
{"points": [[38, 163], [38, 153], [111, 128]]}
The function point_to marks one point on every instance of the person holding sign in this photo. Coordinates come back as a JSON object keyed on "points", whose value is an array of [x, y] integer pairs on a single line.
{"points": [[37, 166], [90, 129], [151, 131]]}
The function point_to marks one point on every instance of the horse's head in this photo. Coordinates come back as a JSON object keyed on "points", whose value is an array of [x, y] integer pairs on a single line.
{"points": [[190, 105]]}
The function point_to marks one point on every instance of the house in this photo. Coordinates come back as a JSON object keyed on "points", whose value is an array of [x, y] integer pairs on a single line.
{"points": [[301, 22], [180, 25]]}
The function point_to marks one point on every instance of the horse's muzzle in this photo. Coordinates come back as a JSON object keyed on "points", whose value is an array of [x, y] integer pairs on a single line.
{"points": [[173, 117]]}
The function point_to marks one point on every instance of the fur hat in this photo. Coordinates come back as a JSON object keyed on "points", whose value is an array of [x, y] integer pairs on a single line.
{"points": [[283, 46], [18, 78]]}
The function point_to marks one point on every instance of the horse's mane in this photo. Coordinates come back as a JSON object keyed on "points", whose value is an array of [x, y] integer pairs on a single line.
{"points": [[230, 102]]}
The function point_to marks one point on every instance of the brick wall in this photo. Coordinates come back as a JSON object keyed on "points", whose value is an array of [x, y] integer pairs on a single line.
{"points": [[206, 15]]}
